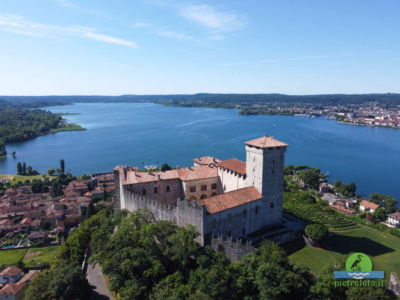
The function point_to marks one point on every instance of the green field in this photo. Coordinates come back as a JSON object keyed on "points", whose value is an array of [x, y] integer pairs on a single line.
{"points": [[10, 257], [38, 256], [31, 257], [384, 249]]}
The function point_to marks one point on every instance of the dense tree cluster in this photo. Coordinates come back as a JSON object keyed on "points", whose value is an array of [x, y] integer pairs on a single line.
{"points": [[23, 169], [145, 259], [21, 124]]}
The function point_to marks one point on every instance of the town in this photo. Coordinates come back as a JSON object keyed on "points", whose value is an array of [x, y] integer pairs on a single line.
{"points": [[368, 114]]}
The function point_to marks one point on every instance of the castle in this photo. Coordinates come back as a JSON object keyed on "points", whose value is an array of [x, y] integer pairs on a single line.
{"points": [[233, 198]]}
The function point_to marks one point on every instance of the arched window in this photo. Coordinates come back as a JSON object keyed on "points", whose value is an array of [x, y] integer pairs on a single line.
{"points": [[213, 194], [204, 196], [192, 198]]}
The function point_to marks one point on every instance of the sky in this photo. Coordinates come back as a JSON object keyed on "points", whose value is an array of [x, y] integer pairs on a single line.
{"points": [[104, 47]]}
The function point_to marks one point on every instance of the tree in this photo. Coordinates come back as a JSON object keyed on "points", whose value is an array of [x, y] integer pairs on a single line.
{"points": [[23, 170], [347, 190], [37, 186], [62, 166], [337, 183], [310, 177], [51, 172], [380, 214], [316, 232], [19, 168], [68, 282], [366, 292], [3, 150], [385, 201], [29, 170], [165, 167]]}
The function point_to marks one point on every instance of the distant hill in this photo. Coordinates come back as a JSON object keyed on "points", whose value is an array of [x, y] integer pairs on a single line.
{"points": [[212, 99]]}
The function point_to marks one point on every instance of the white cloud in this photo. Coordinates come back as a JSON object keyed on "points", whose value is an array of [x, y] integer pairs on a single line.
{"points": [[17, 24], [217, 23], [161, 31], [81, 9], [211, 18]]}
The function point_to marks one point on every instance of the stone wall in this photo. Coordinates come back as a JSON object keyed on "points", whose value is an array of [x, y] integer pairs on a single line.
{"points": [[234, 249], [188, 212], [159, 210], [165, 191]]}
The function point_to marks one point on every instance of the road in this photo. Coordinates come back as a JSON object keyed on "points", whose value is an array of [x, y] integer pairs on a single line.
{"points": [[96, 279]]}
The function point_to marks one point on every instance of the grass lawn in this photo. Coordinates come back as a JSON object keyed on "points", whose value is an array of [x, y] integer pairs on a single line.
{"points": [[10, 257], [38, 256], [384, 249], [32, 257]]}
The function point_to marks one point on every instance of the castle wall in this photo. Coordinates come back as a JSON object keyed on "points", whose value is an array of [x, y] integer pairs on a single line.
{"points": [[159, 210], [238, 221], [188, 212], [165, 191], [231, 180], [234, 249]]}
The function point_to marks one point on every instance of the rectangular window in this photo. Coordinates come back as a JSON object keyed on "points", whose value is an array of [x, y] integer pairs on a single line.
{"points": [[230, 218], [204, 187], [144, 192], [192, 189], [271, 205], [244, 213], [168, 188], [256, 209], [155, 190], [214, 186]]}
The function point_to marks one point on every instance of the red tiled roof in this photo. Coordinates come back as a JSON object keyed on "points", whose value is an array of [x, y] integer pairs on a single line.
{"points": [[231, 199], [235, 165], [12, 289], [206, 160], [26, 221], [395, 216], [369, 205], [190, 173], [343, 209], [11, 271], [265, 142], [197, 172]]}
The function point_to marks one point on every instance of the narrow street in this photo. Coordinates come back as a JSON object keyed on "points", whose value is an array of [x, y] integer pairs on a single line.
{"points": [[94, 275]]}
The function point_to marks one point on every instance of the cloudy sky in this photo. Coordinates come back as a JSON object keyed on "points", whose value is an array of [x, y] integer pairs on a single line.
{"points": [[230, 46]]}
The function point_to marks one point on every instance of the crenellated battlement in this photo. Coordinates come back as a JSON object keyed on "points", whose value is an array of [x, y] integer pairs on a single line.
{"points": [[234, 248]]}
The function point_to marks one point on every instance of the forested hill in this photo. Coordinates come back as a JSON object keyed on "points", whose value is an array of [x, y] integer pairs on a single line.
{"points": [[212, 100], [21, 121]]}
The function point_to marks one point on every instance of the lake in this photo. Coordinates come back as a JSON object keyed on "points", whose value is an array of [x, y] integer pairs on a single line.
{"points": [[149, 134]]}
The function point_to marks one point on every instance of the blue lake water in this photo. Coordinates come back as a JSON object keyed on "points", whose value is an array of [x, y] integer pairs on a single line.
{"points": [[129, 134]]}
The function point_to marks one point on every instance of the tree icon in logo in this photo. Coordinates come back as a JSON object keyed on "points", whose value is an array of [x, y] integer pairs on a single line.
{"points": [[359, 262]]}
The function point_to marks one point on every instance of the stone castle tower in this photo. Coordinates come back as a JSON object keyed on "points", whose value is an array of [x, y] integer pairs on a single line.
{"points": [[265, 163]]}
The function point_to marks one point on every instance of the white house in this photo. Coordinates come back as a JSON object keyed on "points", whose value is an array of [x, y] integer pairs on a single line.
{"points": [[366, 206], [394, 219]]}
